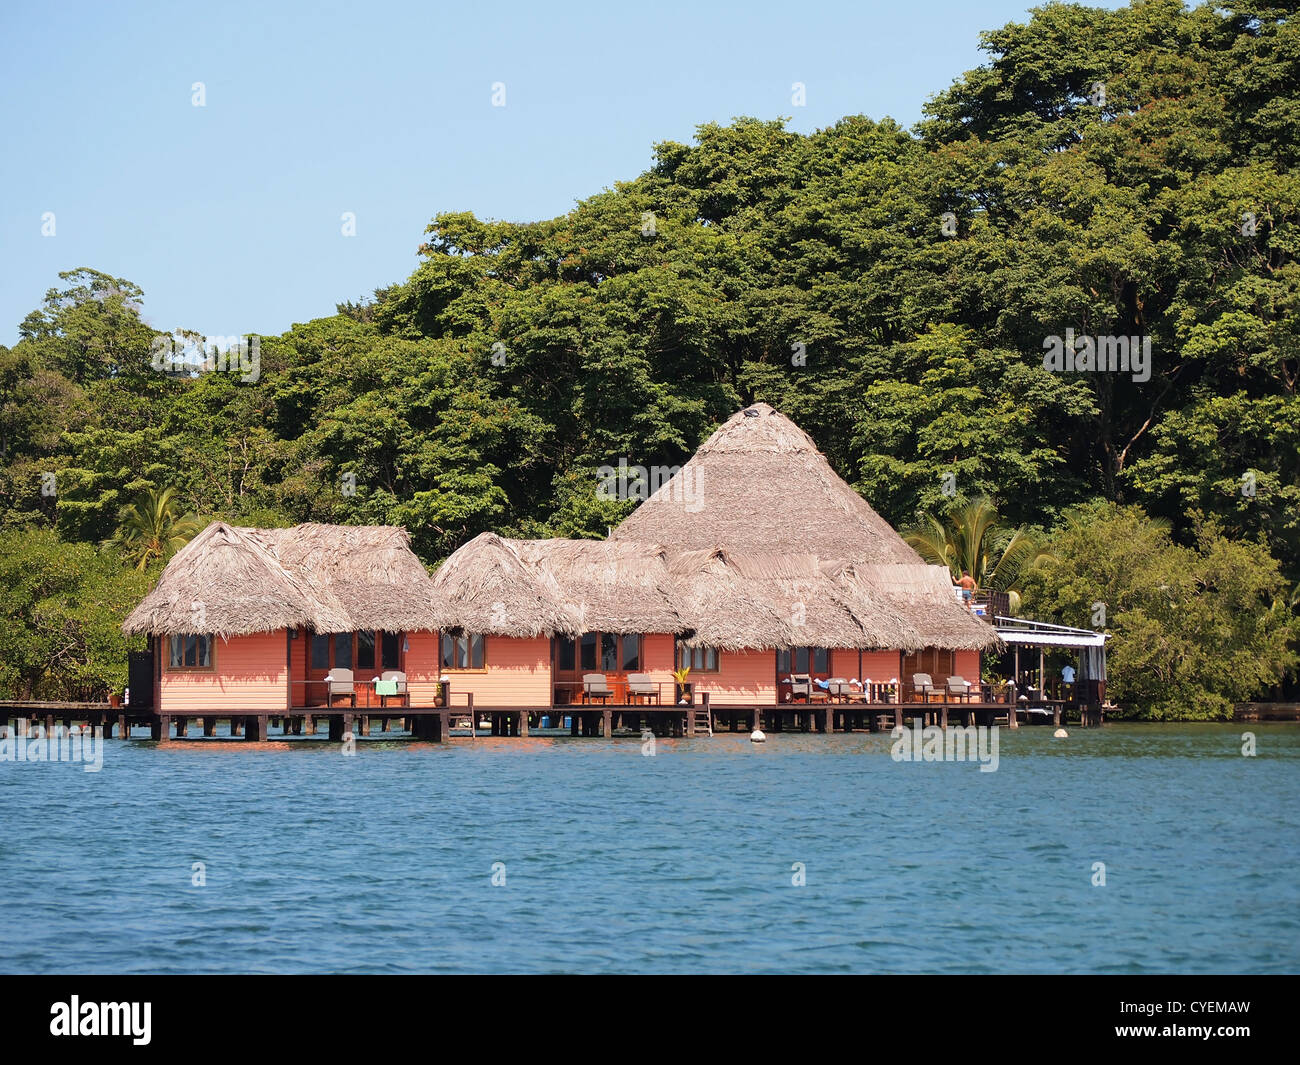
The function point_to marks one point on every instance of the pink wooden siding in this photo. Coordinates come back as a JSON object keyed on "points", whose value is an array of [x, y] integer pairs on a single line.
{"points": [[517, 673], [742, 677], [249, 675]]}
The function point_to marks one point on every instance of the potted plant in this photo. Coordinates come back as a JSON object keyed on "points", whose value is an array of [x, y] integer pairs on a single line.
{"points": [[684, 689], [114, 700]]}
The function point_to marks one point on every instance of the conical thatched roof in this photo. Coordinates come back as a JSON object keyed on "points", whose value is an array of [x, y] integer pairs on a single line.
{"points": [[331, 578], [759, 484], [486, 587]]}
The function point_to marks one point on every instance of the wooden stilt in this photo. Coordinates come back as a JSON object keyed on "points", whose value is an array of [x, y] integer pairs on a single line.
{"points": [[123, 729]]}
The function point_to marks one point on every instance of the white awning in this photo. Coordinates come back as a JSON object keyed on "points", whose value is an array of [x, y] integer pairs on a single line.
{"points": [[1028, 638]]}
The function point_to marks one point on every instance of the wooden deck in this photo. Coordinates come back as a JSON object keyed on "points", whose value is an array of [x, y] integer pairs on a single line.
{"points": [[435, 723]]}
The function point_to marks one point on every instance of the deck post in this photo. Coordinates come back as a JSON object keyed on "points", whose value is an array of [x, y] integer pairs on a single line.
{"points": [[444, 726], [209, 726], [308, 725], [160, 728], [123, 730], [830, 716], [347, 726], [236, 726], [365, 724], [607, 724], [943, 716], [898, 710], [523, 723]]}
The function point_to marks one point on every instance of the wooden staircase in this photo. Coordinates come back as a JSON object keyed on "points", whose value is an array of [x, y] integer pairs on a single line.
{"points": [[699, 719]]}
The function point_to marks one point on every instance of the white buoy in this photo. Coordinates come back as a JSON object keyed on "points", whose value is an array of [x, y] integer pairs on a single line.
{"points": [[1060, 734], [757, 736]]}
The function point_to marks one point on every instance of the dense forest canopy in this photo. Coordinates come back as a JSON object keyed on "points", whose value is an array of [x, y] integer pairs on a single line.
{"points": [[1128, 173]]}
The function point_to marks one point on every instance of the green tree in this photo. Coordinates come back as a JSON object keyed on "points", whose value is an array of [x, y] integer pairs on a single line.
{"points": [[1195, 628], [969, 538], [152, 529]]}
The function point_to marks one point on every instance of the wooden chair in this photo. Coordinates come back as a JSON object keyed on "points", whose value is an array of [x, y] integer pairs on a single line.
{"points": [[339, 682], [595, 687], [640, 686]]}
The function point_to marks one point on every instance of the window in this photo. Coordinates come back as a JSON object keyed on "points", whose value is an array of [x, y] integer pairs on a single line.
{"points": [[589, 644], [803, 660], [320, 651], [699, 659], [390, 657], [462, 652], [608, 653], [631, 659], [189, 652], [366, 650], [343, 650], [566, 652]]}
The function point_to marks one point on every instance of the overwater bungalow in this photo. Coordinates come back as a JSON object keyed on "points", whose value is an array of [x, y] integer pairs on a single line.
{"points": [[256, 621], [755, 567]]}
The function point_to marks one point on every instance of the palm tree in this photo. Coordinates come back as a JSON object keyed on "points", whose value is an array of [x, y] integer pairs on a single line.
{"points": [[151, 528], [969, 537]]}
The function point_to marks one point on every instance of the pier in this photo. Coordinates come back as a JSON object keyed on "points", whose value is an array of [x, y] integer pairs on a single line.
{"points": [[435, 724]]}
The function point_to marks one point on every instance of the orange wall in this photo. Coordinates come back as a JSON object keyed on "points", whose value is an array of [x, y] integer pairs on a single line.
{"points": [[742, 677], [517, 673], [877, 666], [249, 674], [968, 665]]}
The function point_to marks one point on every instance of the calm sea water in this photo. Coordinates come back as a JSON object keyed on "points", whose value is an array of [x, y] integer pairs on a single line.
{"points": [[680, 862]]}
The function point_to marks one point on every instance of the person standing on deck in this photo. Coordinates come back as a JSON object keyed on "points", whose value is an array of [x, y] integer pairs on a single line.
{"points": [[966, 584]]}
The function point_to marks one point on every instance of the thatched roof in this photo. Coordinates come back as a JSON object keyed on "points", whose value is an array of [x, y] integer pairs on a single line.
{"points": [[922, 597], [230, 581], [715, 598], [759, 484], [486, 587], [611, 587], [755, 543]]}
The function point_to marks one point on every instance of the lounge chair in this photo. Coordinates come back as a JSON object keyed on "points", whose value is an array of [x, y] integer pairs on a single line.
{"points": [[339, 682], [959, 689], [594, 687], [800, 684], [922, 685], [640, 686], [840, 691], [401, 693]]}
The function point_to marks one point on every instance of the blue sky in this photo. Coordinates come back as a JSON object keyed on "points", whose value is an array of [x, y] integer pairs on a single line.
{"points": [[229, 215]]}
